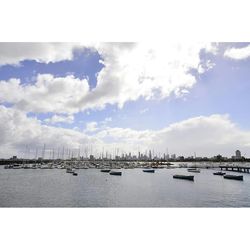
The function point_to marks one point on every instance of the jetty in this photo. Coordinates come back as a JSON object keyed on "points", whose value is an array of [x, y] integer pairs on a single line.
{"points": [[243, 169]]}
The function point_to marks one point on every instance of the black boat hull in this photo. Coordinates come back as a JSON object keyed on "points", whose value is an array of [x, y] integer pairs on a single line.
{"points": [[148, 170], [115, 173], [234, 177], [105, 170], [219, 173], [184, 177]]}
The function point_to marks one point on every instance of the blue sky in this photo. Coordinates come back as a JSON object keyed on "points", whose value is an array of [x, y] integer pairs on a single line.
{"points": [[122, 89], [85, 64]]}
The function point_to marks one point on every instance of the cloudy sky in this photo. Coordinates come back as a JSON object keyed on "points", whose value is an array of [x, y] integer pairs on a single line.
{"points": [[124, 97]]}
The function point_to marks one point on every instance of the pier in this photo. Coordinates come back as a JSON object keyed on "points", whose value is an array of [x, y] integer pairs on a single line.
{"points": [[235, 169]]}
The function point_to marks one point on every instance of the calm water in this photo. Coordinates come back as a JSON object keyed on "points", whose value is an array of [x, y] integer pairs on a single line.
{"points": [[91, 188]]}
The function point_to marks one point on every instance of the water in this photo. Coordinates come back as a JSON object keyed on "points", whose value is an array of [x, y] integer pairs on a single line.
{"points": [[91, 188]]}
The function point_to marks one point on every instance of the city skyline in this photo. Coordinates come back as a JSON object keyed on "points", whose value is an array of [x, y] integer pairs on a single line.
{"points": [[184, 97], [88, 153]]}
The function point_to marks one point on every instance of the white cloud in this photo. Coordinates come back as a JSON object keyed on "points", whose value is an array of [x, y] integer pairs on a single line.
{"points": [[91, 127], [205, 67], [19, 131], [48, 94], [60, 119], [211, 135], [14, 53], [134, 70], [238, 53], [130, 71], [212, 48], [207, 136]]}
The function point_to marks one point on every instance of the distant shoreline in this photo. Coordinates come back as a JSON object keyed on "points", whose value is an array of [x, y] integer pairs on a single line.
{"points": [[160, 162]]}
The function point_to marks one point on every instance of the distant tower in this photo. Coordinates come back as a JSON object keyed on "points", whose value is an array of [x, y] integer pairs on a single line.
{"points": [[237, 154], [150, 155], [44, 151]]}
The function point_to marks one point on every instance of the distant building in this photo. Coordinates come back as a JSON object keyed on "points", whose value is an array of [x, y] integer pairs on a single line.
{"points": [[14, 157], [237, 154], [150, 155], [181, 158], [173, 156], [91, 157], [218, 157]]}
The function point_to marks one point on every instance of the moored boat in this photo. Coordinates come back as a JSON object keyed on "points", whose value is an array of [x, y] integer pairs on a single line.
{"points": [[8, 167], [184, 177], [115, 173], [193, 170], [16, 167], [74, 173], [219, 173], [148, 170], [105, 170], [233, 177]]}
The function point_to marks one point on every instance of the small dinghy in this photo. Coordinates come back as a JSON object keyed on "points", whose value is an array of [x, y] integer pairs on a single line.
{"points": [[115, 173], [74, 173], [193, 170], [184, 177], [148, 170], [234, 177], [105, 170], [219, 173]]}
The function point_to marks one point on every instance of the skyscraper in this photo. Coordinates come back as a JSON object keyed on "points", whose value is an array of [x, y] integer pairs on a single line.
{"points": [[150, 155], [237, 154]]}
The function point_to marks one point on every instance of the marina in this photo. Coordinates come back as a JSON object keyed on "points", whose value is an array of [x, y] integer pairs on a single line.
{"points": [[84, 184]]}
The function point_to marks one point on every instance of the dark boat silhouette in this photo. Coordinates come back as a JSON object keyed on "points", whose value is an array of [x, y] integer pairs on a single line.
{"points": [[148, 170], [234, 177], [219, 173], [69, 170], [184, 177], [105, 170], [74, 173], [115, 173]]}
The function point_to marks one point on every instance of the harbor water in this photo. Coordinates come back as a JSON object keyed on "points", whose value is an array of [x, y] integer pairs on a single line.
{"points": [[92, 188]]}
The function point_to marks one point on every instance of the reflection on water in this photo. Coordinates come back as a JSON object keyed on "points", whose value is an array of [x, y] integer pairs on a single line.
{"points": [[91, 188]]}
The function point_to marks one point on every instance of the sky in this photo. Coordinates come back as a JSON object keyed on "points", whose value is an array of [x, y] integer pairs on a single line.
{"points": [[124, 97]]}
